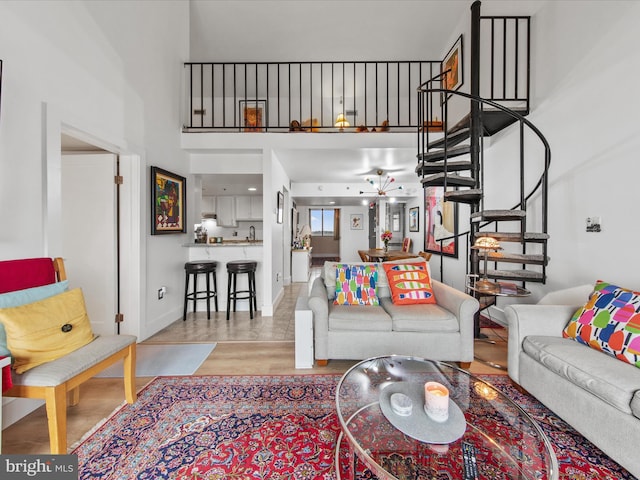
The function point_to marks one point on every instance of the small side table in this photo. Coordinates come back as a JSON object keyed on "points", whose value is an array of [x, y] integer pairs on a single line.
{"points": [[303, 334], [497, 289], [3, 363]]}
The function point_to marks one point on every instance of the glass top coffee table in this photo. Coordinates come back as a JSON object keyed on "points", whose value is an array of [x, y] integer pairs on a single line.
{"points": [[386, 428]]}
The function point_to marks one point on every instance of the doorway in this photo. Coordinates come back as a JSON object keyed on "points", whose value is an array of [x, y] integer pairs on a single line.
{"points": [[89, 229]]}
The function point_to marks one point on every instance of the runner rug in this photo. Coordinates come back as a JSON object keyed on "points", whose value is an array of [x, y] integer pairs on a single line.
{"points": [[267, 427]]}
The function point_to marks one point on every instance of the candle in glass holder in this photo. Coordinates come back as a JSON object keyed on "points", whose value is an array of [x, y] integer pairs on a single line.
{"points": [[436, 401]]}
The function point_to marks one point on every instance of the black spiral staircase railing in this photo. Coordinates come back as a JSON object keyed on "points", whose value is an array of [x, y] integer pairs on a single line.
{"points": [[457, 160], [463, 180]]}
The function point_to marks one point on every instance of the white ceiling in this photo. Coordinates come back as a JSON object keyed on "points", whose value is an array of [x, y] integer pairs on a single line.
{"points": [[328, 30]]}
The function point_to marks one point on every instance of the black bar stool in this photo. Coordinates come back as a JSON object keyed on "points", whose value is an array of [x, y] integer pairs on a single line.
{"points": [[206, 267], [234, 268]]}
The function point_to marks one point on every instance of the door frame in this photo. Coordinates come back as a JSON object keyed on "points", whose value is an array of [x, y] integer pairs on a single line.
{"points": [[131, 198]]}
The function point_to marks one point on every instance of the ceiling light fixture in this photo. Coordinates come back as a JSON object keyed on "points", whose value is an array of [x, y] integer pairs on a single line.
{"points": [[383, 186]]}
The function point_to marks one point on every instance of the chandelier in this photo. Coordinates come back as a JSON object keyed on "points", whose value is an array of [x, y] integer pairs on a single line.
{"points": [[383, 185]]}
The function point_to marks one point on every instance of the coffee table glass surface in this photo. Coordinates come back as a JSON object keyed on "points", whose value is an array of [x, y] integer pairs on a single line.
{"points": [[392, 444]]}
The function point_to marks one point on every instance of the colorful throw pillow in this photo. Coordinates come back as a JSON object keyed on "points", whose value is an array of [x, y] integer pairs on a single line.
{"points": [[22, 297], [45, 330], [609, 322], [410, 283], [356, 285]]}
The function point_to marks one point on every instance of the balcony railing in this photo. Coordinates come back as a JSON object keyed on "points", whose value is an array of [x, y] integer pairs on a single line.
{"points": [[264, 96]]}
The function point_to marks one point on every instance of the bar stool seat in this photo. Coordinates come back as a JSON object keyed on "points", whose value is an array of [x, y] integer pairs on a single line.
{"points": [[206, 267], [234, 268]]}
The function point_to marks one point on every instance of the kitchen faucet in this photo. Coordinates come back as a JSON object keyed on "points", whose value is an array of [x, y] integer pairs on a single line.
{"points": [[252, 233]]}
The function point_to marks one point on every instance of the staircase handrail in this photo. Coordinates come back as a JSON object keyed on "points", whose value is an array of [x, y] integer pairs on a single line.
{"points": [[518, 117]]}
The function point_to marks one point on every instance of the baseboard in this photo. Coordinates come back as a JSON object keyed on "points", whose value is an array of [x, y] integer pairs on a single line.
{"points": [[13, 409]]}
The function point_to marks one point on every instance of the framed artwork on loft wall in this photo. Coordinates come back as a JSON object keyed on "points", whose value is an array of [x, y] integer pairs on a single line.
{"points": [[441, 222], [453, 62], [168, 202], [253, 115]]}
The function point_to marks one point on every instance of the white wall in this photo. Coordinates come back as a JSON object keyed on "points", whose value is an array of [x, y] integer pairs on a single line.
{"points": [[586, 61], [100, 67]]}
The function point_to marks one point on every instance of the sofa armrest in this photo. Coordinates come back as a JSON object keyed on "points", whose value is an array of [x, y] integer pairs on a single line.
{"points": [[319, 305], [525, 320], [463, 306]]}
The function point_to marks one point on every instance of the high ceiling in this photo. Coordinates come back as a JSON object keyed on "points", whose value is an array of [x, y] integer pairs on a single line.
{"points": [[329, 30]]}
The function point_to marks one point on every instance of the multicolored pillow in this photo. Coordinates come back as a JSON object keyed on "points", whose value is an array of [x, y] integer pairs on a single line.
{"points": [[609, 322], [356, 285], [410, 283]]}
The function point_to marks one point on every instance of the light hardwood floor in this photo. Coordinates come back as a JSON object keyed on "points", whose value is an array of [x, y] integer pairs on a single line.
{"points": [[262, 346]]}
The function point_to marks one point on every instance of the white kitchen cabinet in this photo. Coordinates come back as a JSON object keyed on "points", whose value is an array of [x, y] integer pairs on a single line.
{"points": [[249, 207], [208, 204], [226, 211], [300, 265]]}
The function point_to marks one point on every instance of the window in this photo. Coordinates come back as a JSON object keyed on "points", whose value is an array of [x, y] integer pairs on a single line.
{"points": [[322, 222]]}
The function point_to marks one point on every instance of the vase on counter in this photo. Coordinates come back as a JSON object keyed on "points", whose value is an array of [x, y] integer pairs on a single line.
{"points": [[386, 246]]}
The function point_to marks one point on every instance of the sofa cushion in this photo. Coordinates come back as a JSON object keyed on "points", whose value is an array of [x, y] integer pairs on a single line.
{"points": [[420, 317], [356, 285], [635, 404], [359, 318], [47, 329], [329, 275], [612, 381], [410, 283], [609, 322]]}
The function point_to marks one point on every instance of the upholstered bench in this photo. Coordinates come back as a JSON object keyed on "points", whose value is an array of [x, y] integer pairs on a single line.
{"points": [[60, 378]]}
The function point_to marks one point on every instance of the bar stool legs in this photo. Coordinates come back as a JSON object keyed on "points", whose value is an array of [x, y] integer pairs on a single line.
{"points": [[208, 268], [233, 269]]}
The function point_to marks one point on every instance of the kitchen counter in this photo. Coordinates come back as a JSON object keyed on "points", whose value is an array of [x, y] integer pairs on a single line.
{"points": [[232, 243]]}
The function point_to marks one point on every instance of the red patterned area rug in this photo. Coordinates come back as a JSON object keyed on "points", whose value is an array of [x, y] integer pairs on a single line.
{"points": [[266, 427]]}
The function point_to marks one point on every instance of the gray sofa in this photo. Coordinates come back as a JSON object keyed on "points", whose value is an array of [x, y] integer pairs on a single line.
{"points": [[443, 331], [595, 393]]}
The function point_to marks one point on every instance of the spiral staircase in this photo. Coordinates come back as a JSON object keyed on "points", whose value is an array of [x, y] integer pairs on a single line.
{"points": [[457, 160]]}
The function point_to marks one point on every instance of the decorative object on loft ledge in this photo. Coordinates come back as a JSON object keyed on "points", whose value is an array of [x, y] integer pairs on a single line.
{"points": [[342, 122], [441, 223], [253, 115], [485, 244], [168, 202], [280, 207], [384, 186], [452, 64], [414, 219]]}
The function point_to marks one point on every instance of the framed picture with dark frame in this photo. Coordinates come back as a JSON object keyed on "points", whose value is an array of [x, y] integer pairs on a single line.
{"points": [[280, 207], [414, 219], [168, 202], [441, 223], [253, 114], [454, 78]]}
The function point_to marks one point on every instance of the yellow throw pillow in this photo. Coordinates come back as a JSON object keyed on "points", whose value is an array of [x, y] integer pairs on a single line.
{"points": [[43, 331]]}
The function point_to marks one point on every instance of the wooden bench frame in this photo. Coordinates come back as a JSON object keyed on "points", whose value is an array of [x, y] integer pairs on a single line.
{"points": [[58, 397]]}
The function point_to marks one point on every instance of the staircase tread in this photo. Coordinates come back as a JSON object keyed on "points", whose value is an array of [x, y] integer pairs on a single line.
{"points": [[513, 236], [527, 258], [437, 155], [453, 138], [528, 275], [452, 179], [464, 196], [493, 215], [454, 166]]}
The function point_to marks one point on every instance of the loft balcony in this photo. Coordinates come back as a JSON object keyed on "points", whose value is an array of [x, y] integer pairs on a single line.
{"points": [[305, 96]]}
